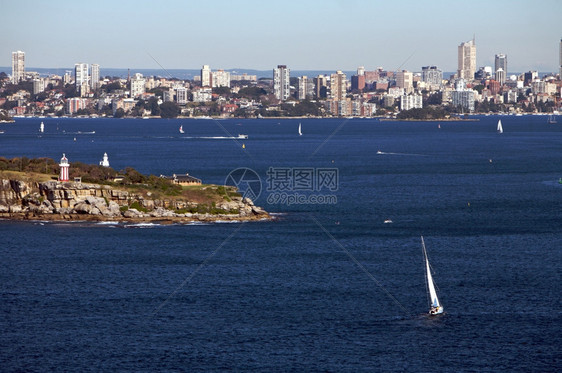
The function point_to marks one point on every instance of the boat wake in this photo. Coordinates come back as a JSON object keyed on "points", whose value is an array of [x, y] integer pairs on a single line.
{"points": [[392, 153]]}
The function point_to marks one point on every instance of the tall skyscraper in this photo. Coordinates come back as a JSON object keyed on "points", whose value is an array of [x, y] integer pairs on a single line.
{"points": [[467, 60], [206, 76], [281, 82], [560, 59], [95, 76], [18, 66], [338, 86], [81, 78], [500, 63]]}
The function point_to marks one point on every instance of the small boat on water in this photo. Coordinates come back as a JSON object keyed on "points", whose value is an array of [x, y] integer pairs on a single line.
{"points": [[242, 136], [300, 130], [552, 119], [388, 221], [435, 308], [42, 127], [181, 129], [500, 127]]}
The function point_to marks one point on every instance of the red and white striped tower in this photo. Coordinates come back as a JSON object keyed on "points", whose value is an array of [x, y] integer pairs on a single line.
{"points": [[64, 166]]}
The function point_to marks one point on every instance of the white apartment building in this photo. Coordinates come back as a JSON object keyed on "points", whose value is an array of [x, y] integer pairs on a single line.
{"points": [[281, 82], [413, 101], [220, 78], [18, 66], [137, 85], [95, 77], [206, 76]]}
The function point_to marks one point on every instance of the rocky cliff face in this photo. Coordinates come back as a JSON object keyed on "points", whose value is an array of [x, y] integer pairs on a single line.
{"points": [[58, 201]]}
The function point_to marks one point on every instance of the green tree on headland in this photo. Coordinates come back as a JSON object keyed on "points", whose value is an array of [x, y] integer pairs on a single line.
{"points": [[169, 110]]}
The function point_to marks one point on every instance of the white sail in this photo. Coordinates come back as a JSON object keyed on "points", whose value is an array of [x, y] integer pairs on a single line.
{"points": [[300, 131], [436, 307], [181, 129], [500, 128], [42, 127]]}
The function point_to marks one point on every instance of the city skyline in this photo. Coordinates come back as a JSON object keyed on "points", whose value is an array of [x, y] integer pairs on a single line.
{"points": [[254, 35]]}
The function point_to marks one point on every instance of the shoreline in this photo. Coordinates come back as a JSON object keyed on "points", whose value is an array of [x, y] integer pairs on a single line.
{"points": [[379, 118], [69, 218]]}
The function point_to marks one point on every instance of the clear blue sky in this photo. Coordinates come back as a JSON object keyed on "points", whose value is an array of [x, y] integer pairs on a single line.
{"points": [[260, 34]]}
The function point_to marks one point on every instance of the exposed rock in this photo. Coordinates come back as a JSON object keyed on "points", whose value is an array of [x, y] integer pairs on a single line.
{"points": [[66, 201]]}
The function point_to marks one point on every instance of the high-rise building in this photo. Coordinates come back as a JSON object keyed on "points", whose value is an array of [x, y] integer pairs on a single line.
{"points": [[405, 79], [18, 66], [281, 82], [361, 70], [467, 60], [38, 85], [220, 78], [432, 75], [500, 76], [560, 58], [95, 76], [305, 88], [500, 63], [206, 76], [321, 86], [137, 85], [338, 86], [358, 82], [81, 78], [181, 95]]}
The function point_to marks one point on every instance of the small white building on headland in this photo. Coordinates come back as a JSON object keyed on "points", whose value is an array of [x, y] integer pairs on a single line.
{"points": [[105, 161]]}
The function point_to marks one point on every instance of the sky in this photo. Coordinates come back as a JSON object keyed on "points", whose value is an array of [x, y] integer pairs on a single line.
{"points": [[261, 34]]}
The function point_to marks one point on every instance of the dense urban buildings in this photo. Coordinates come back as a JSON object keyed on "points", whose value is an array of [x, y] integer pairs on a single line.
{"points": [[221, 93]]}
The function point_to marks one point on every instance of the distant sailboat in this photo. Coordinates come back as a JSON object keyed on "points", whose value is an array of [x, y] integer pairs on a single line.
{"points": [[42, 127], [500, 128], [181, 129], [435, 306], [300, 130]]}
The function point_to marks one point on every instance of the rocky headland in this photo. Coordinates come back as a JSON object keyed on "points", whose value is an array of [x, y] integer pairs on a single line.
{"points": [[70, 201]]}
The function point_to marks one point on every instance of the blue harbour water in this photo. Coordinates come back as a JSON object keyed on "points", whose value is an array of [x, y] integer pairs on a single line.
{"points": [[323, 287]]}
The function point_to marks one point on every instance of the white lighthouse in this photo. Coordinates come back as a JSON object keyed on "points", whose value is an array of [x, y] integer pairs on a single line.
{"points": [[105, 161], [64, 166]]}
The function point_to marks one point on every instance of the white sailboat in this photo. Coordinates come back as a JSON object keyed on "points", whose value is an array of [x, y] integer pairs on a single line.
{"points": [[181, 129], [500, 128], [300, 130], [42, 127], [435, 307]]}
